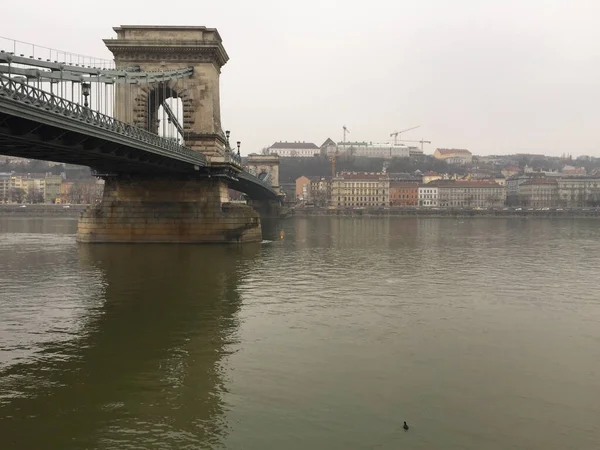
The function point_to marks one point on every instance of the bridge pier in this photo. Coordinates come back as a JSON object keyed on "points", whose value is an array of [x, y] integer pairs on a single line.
{"points": [[268, 209], [137, 209]]}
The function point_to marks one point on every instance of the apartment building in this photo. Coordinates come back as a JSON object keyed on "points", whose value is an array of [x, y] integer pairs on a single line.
{"points": [[428, 195], [404, 193], [470, 194], [539, 193], [360, 190]]}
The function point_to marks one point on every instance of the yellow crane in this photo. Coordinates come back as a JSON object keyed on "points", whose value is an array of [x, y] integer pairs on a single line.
{"points": [[396, 133]]}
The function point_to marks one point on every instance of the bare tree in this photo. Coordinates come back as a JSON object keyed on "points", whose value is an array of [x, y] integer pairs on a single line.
{"points": [[16, 195]]}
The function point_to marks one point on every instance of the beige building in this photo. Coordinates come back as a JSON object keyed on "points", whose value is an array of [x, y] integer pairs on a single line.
{"points": [[539, 193], [19, 182], [428, 177], [302, 188], [4, 187], [470, 194], [453, 155], [579, 191], [360, 190], [52, 188]]}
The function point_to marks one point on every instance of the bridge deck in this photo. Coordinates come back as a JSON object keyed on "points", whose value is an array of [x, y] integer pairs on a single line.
{"points": [[40, 125]]}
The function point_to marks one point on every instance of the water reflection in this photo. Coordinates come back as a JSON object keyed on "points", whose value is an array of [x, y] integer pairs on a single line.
{"points": [[45, 225], [327, 338], [166, 317]]}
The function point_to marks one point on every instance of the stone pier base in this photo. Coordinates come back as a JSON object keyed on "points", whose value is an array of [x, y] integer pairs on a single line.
{"points": [[269, 209], [143, 210]]}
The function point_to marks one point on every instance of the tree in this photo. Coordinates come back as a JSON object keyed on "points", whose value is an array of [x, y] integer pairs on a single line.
{"points": [[320, 198], [16, 195]]}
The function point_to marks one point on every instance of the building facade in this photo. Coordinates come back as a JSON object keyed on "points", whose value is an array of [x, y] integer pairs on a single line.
{"points": [[52, 188], [375, 150], [4, 187], [360, 190], [294, 149], [404, 194], [302, 188], [539, 193], [579, 191], [328, 147], [453, 155], [428, 195], [470, 194]]}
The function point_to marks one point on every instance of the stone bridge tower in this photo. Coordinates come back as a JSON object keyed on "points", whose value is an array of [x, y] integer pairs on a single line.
{"points": [[162, 48], [136, 208], [265, 168]]}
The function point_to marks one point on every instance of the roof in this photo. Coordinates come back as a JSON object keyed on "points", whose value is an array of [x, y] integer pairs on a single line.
{"points": [[465, 183], [404, 184], [293, 145], [403, 176], [327, 143], [537, 181], [449, 151], [431, 174], [362, 176]]}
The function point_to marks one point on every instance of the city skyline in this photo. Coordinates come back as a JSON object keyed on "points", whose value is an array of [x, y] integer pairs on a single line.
{"points": [[494, 79]]}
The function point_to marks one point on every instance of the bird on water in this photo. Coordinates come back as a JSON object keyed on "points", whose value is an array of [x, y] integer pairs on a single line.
{"points": [[405, 427]]}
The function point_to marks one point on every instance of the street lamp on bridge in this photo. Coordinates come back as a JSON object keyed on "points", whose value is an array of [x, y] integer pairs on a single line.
{"points": [[227, 138], [85, 91], [238, 146]]}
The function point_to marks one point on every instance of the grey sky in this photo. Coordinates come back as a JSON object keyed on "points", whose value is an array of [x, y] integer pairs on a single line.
{"points": [[497, 76]]}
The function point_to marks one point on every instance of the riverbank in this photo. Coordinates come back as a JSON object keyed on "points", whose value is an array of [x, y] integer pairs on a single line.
{"points": [[441, 212], [41, 210]]}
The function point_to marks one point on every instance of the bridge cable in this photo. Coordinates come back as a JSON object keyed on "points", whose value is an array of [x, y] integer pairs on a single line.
{"points": [[164, 115]]}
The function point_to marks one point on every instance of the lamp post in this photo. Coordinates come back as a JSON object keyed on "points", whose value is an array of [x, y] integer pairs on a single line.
{"points": [[85, 91], [238, 146], [227, 138]]}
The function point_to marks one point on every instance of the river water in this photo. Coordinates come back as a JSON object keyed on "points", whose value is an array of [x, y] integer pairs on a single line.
{"points": [[480, 333]]}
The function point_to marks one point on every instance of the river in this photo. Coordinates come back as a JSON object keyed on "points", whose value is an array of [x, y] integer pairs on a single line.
{"points": [[480, 333]]}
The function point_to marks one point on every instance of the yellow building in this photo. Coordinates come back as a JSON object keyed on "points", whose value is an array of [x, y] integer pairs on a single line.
{"points": [[453, 155], [431, 176], [360, 190]]}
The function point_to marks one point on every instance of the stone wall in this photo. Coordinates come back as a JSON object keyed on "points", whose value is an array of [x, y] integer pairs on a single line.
{"points": [[138, 210]]}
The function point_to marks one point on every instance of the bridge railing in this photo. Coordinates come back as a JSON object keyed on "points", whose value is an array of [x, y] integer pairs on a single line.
{"points": [[29, 95], [249, 176]]}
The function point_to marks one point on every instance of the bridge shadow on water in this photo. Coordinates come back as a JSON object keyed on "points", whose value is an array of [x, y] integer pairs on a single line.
{"points": [[147, 370]]}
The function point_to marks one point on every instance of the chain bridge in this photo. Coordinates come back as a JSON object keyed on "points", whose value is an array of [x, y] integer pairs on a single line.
{"points": [[148, 123]]}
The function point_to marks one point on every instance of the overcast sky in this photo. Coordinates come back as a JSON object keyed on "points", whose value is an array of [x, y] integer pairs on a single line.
{"points": [[492, 76]]}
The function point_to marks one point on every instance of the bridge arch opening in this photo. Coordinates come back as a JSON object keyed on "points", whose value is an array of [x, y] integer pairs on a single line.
{"points": [[171, 127], [165, 111], [263, 176]]}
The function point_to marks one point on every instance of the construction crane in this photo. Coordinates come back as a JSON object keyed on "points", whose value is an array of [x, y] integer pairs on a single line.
{"points": [[421, 142], [396, 133], [346, 131]]}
